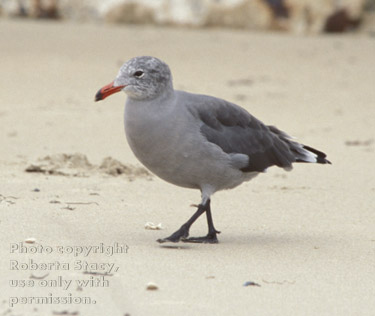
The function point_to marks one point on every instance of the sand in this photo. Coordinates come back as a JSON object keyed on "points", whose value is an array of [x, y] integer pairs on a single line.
{"points": [[303, 241]]}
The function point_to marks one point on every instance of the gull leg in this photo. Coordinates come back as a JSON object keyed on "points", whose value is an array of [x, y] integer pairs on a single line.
{"points": [[183, 232], [211, 237]]}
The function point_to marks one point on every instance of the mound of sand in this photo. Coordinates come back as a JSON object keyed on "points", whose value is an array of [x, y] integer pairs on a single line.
{"points": [[77, 165], [114, 167]]}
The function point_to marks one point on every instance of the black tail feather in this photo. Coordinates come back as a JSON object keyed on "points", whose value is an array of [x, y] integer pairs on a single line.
{"points": [[299, 150], [321, 156]]}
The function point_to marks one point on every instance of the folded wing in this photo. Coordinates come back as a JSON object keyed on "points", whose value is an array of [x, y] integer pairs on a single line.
{"points": [[234, 130]]}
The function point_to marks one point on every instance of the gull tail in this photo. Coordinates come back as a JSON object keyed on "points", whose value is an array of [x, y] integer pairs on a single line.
{"points": [[302, 153], [309, 154]]}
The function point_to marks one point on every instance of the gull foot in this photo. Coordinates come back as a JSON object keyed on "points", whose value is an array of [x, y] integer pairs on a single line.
{"points": [[209, 239], [177, 236]]}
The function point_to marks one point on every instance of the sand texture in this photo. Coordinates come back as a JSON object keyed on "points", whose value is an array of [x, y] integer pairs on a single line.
{"points": [[297, 243]]}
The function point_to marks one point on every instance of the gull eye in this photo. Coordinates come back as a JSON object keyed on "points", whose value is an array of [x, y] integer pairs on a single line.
{"points": [[138, 74]]}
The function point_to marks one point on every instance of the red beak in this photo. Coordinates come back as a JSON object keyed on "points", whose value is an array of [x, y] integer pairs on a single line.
{"points": [[107, 91]]}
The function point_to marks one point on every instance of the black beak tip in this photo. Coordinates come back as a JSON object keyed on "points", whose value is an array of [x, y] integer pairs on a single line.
{"points": [[98, 96]]}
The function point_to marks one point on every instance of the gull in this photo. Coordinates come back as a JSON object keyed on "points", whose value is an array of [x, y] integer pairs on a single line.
{"points": [[197, 141]]}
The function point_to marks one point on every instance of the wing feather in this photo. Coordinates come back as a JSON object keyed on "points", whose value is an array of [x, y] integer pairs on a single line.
{"points": [[235, 130]]}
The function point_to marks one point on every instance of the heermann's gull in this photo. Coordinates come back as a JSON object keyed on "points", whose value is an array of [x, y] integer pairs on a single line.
{"points": [[197, 141]]}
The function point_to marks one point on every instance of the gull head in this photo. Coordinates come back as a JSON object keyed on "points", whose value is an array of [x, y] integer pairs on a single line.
{"points": [[141, 78]]}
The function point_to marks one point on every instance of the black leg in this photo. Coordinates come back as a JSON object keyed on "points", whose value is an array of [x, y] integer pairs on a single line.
{"points": [[183, 233], [211, 236], [210, 223]]}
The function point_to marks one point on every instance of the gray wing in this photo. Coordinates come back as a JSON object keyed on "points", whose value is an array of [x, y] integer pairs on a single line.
{"points": [[235, 130]]}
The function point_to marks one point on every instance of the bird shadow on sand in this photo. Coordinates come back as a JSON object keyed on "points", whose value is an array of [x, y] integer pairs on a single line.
{"points": [[177, 246], [255, 240]]}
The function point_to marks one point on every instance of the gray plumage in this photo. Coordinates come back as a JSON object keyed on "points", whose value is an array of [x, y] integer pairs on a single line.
{"points": [[198, 141]]}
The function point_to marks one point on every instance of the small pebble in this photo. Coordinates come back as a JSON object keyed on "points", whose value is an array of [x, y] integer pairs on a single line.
{"points": [[30, 240], [36, 190], [151, 286], [250, 283], [152, 226]]}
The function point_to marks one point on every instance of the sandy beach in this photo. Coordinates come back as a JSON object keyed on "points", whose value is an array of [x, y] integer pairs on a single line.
{"points": [[303, 241]]}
